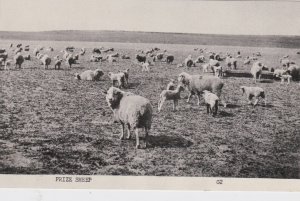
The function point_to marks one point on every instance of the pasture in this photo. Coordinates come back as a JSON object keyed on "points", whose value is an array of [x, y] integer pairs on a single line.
{"points": [[51, 123]]}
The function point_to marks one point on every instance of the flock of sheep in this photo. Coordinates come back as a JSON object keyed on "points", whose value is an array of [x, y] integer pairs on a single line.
{"points": [[134, 111]]}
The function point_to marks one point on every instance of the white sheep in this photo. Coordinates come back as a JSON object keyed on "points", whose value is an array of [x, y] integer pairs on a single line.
{"points": [[256, 70], [126, 78], [90, 75], [196, 84], [131, 110], [212, 102], [279, 72], [205, 67], [145, 66], [7, 64], [230, 61], [170, 95], [119, 77], [254, 92]]}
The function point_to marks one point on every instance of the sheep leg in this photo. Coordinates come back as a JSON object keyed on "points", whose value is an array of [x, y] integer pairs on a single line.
{"points": [[189, 96], [146, 137], [255, 102], [207, 108], [128, 132], [122, 134], [137, 146], [198, 96], [160, 104]]}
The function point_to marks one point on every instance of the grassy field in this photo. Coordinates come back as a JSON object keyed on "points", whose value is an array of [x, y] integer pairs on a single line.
{"points": [[51, 123]]}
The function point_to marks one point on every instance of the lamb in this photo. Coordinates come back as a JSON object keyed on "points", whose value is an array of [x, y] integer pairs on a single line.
{"points": [[213, 62], [132, 110], [171, 85], [46, 60], [256, 70], [120, 77], [196, 84], [90, 75], [294, 71], [285, 77], [212, 102], [169, 59], [170, 95], [57, 64], [253, 92], [18, 59], [140, 58], [66, 55], [126, 73], [231, 62]]}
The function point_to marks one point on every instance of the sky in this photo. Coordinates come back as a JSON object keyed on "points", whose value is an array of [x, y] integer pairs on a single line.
{"points": [[183, 16]]}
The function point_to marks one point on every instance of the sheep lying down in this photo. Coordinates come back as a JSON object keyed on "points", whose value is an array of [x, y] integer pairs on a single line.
{"points": [[254, 92], [90, 75], [130, 110]]}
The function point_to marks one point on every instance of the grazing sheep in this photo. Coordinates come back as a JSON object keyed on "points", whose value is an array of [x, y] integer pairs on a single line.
{"points": [[132, 110], [188, 62], [96, 58], [145, 66], [120, 77], [254, 92], [66, 54], [279, 72], [125, 57], [256, 70], [50, 49], [212, 102], [171, 85], [196, 84], [70, 48], [70, 61], [231, 62], [140, 58], [90, 75], [96, 50], [57, 64], [170, 95], [294, 71], [114, 55], [200, 59], [18, 59], [285, 77], [169, 59], [158, 57], [46, 60], [27, 57]]}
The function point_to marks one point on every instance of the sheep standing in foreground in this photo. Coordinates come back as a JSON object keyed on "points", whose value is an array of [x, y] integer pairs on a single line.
{"points": [[212, 102], [170, 95], [130, 110], [120, 77], [256, 70], [196, 84], [253, 92], [18, 59], [90, 75]]}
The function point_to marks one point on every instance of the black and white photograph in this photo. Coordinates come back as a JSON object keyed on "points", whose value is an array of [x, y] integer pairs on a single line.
{"points": [[150, 88]]}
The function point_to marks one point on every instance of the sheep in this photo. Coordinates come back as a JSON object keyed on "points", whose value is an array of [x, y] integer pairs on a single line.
{"points": [[200, 59], [18, 59], [279, 72], [46, 60], [111, 59], [205, 67], [4, 56], [170, 95], [120, 77], [256, 70], [256, 92], [145, 66], [180, 65], [27, 57], [109, 49], [285, 62], [218, 70], [96, 50], [140, 58], [188, 62], [50, 49], [169, 59], [231, 62], [132, 110], [213, 62], [114, 55], [70, 61], [90, 75], [2, 50], [212, 102], [18, 50], [95, 58], [70, 48], [125, 57], [158, 57], [57, 64], [247, 60], [195, 84], [285, 77], [7, 64], [66, 54], [294, 71], [171, 85]]}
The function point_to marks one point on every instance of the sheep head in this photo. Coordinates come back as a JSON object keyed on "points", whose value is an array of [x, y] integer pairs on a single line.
{"points": [[113, 97], [98, 73]]}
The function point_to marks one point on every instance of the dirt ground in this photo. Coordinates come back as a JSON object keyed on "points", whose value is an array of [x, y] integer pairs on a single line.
{"points": [[51, 123]]}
